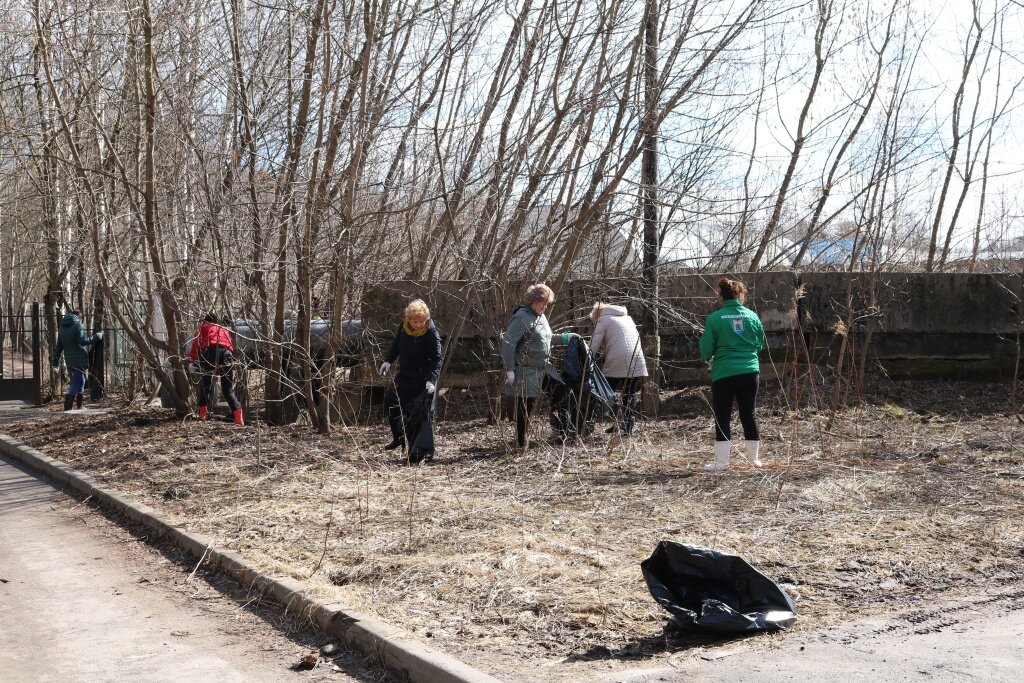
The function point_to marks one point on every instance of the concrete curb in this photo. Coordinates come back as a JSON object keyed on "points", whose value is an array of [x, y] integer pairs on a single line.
{"points": [[401, 655]]}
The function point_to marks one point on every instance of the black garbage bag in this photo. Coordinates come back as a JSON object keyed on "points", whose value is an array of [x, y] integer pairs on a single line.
{"points": [[580, 393], [419, 426], [707, 590]]}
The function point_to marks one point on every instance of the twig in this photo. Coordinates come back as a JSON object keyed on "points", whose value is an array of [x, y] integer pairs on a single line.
{"points": [[198, 564], [327, 533]]}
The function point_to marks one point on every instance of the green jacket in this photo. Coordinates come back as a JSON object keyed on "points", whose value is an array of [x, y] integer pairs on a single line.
{"points": [[732, 338], [71, 341]]}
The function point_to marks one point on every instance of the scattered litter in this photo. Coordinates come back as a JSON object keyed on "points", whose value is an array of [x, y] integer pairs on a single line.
{"points": [[307, 662], [177, 493]]}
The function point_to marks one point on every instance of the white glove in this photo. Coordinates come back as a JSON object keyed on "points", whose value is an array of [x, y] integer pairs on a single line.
{"points": [[56, 368], [430, 387], [99, 335], [384, 367], [510, 377], [192, 367]]}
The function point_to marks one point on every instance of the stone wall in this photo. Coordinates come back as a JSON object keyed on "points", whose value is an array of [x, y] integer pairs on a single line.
{"points": [[920, 323]]}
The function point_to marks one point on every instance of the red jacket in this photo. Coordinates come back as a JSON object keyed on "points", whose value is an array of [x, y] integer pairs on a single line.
{"points": [[210, 334]]}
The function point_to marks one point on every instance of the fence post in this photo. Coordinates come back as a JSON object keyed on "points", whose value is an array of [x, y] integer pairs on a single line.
{"points": [[97, 369], [37, 360]]}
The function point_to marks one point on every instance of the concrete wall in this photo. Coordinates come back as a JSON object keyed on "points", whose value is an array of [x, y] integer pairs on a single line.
{"points": [[932, 303], [922, 323]]}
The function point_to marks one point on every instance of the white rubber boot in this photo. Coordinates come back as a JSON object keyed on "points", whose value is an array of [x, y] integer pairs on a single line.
{"points": [[722, 450], [753, 451]]}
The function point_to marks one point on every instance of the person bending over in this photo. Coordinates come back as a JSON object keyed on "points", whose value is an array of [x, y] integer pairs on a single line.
{"points": [[212, 354], [617, 342]]}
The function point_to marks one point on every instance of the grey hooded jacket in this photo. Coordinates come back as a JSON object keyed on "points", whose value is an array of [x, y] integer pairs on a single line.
{"points": [[526, 350]]}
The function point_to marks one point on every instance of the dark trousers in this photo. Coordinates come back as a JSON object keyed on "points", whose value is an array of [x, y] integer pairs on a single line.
{"points": [[629, 386], [743, 390], [397, 411], [522, 407], [213, 361], [395, 414], [398, 403]]}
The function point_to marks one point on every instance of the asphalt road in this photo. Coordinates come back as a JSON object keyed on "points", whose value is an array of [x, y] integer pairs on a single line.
{"points": [[81, 599], [980, 639]]}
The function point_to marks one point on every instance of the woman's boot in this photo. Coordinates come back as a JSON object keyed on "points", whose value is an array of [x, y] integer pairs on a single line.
{"points": [[722, 450], [397, 426], [753, 452], [202, 412], [78, 401], [69, 401], [238, 417], [397, 430]]}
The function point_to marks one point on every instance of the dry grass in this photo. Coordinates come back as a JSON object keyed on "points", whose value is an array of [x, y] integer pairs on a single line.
{"points": [[515, 560]]}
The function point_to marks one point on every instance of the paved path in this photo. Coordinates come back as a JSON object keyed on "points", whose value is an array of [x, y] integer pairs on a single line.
{"points": [[952, 648], [83, 600], [12, 411]]}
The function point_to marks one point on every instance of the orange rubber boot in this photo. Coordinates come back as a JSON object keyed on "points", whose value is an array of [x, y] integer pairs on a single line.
{"points": [[238, 417]]}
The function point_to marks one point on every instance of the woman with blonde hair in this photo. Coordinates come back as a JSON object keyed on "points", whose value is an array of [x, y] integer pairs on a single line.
{"points": [[526, 354], [417, 349], [732, 338], [617, 342]]}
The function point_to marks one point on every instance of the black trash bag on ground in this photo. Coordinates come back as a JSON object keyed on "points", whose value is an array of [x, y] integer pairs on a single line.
{"points": [[419, 426], [707, 590]]}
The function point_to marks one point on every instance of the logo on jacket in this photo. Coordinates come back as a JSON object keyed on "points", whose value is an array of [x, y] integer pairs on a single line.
{"points": [[737, 325]]}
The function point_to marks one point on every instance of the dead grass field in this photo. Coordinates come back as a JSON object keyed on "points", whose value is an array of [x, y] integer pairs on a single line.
{"points": [[527, 564]]}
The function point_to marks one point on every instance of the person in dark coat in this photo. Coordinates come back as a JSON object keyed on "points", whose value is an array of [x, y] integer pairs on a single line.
{"points": [[212, 354], [71, 342], [417, 349]]}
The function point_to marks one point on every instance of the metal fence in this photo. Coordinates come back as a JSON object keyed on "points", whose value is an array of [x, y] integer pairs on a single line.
{"points": [[20, 355], [27, 338]]}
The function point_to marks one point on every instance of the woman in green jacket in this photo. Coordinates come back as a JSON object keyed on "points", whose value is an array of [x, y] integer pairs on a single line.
{"points": [[732, 338]]}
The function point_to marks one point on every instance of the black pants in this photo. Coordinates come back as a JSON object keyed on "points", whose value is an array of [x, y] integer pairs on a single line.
{"points": [[743, 390], [398, 404], [395, 414], [213, 361], [522, 408], [627, 412]]}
